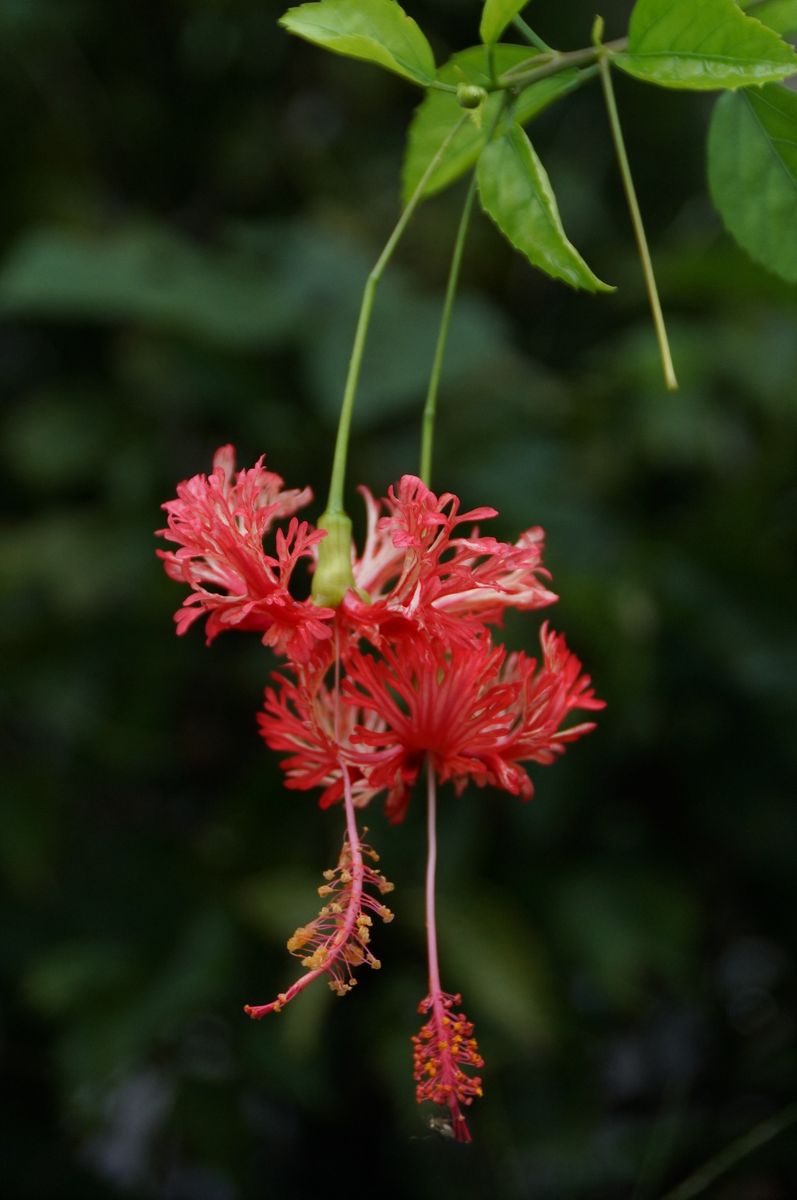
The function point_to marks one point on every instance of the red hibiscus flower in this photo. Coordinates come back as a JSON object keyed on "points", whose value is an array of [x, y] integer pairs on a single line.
{"points": [[219, 522], [472, 712], [417, 571]]}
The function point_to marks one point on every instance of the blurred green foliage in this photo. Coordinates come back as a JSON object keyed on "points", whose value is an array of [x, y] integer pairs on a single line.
{"points": [[191, 204]]}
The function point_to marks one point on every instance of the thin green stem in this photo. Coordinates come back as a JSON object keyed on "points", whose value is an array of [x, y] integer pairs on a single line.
{"points": [[758, 1136], [531, 37], [338, 478], [430, 408], [636, 221]]}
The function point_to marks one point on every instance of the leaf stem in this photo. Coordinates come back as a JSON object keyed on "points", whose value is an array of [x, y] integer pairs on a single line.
{"points": [[758, 1136], [636, 221], [531, 37], [430, 408], [338, 477]]}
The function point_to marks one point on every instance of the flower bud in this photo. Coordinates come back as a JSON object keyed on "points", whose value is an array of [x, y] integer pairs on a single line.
{"points": [[469, 95]]}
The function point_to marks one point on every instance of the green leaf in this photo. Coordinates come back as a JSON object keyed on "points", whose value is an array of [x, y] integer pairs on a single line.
{"points": [[377, 31], [439, 112], [496, 16], [780, 15], [516, 192], [752, 169], [705, 46]]}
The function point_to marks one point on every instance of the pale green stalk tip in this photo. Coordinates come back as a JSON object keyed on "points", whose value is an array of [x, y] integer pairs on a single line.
{"points": [[333, 575]]}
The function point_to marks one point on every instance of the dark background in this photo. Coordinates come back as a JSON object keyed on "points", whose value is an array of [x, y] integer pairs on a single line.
{"points": [[190, 203]]}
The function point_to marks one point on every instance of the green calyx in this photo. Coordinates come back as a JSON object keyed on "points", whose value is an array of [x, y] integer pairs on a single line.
{"points": [[333, 575]]}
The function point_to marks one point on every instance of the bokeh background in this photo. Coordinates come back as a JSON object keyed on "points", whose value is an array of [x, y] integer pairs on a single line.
{"points": [[190, 203]]}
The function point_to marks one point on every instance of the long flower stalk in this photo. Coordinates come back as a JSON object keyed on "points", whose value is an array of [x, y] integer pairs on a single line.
{"points": [[637, 222], [337, 481], [333, 575], [430, 408]]}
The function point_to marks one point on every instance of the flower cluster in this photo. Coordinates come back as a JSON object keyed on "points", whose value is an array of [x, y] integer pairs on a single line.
{"points": [[403, 676]]}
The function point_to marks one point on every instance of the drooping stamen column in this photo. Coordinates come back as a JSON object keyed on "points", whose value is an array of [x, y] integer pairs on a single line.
{"points": [[337, 940], [445, 1043]]}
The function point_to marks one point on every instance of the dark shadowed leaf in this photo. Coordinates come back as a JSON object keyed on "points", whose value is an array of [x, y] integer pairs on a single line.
{"points": [[500, 966], [145, 274], [753, 173]]}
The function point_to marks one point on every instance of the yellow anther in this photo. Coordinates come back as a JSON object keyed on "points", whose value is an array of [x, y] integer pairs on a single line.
{"points": [[315, 960]]}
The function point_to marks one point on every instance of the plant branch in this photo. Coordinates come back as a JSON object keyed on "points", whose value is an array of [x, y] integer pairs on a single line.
{"points": [[542, 66]]}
